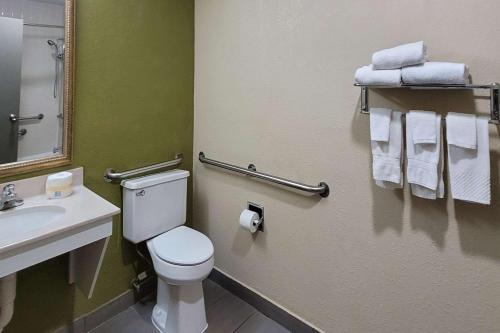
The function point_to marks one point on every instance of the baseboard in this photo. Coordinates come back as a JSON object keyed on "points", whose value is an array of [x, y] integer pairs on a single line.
{"points": [[98, 316], [263, 305]]}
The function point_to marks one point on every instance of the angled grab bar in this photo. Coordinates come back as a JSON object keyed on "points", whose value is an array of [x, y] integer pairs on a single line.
{"points": [[112, 176], [322, 189]]}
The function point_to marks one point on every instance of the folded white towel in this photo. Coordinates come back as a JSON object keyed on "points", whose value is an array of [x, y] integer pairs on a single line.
{"points": [[387, 160], [366, 75], [400, 56], [469, 169], [380, 120], [424, 127], [464, 130], [423, 172], [424, 192], [436, 73]]}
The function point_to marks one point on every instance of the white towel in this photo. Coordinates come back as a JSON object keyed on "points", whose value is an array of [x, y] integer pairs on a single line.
{"points": [[423, 192], [424, 170], [387, 170], [469, 169], [436, 73], [464, 130], [400, 56], [424, 127], [380, 120], [366, 75]]}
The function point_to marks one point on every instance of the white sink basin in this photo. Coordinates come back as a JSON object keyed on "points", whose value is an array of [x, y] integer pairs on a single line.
{"points": [[22, 220]]}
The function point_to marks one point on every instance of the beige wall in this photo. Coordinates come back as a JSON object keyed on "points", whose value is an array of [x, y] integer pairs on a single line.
{"points": [[273, 86]]}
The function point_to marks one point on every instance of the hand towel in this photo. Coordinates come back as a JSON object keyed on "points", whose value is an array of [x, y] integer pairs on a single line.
{"points": [[436, 73], [424, 127], [469, 169], [424, 192], [387, 170], [400, 56], [380, 120], [464, 130], [423, 170], [366, 75]]}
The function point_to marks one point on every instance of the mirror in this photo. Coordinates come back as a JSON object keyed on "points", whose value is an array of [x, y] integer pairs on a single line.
{"points": [[36, 84]]}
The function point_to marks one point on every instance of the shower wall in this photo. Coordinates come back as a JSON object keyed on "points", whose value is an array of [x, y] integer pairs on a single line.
{"points": [[37, 77]]}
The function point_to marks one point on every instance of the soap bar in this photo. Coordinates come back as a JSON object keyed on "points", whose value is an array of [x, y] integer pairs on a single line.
{"points": [[59, 185]]}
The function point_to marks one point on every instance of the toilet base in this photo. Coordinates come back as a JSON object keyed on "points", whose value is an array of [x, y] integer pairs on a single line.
{"points": [[179, 309]]}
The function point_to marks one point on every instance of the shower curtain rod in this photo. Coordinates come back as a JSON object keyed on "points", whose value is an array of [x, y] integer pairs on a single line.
{"points": [[44, 25]]}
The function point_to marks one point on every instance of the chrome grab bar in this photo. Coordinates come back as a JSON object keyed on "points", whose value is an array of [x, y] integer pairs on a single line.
{"points": [[13, 118], [111, 175], [322, 189]]}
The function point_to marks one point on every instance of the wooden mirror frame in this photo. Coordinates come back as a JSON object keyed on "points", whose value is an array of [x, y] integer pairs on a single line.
{"points": [[14, 168]]}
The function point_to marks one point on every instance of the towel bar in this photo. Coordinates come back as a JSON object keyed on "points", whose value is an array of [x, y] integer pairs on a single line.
{"points": [[493, 88], [322, 189]]}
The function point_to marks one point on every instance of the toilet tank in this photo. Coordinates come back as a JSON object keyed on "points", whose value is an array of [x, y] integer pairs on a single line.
{"points": [[154, 204]]}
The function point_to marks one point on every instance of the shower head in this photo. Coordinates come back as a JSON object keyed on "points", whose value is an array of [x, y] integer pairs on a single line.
{"points": [[51, 42]]}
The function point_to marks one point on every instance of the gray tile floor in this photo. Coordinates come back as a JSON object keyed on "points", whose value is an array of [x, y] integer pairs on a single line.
{"points": [[226, 313]]}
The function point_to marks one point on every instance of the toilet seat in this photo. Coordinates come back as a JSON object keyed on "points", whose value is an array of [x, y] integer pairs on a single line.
{"points": [[183, 246]]}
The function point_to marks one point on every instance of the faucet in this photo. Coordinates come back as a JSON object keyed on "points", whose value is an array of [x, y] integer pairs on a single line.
{"points": [[9, 198]]}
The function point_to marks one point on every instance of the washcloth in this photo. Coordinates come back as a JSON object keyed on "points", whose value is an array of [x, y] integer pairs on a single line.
{"points": [[464, 130], [387, 161], [436, 73], [400, 56], [424, 170], [380, 120], [469, 169], [424, 127], [366, 75]]}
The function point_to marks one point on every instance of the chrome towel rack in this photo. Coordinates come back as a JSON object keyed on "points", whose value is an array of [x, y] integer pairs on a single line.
{"points": [[322, 189], [493, 89], [112, 176]]}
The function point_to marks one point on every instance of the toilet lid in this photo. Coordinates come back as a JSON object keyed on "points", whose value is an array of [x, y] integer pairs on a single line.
{"points": [[183, 246]]}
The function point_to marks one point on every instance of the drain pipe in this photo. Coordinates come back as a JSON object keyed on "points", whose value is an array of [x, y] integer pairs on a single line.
{"points": [[7, 297]]}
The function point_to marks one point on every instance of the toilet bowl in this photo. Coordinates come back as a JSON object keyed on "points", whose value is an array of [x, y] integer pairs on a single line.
{"points": [[182, 258], [154, 210]]}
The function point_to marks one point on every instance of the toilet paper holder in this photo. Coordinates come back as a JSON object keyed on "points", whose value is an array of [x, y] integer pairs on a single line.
{"points": [[259, 209]]}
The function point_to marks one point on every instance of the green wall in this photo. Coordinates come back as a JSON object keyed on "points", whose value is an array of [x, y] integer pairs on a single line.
{"points": [[134, 106]]}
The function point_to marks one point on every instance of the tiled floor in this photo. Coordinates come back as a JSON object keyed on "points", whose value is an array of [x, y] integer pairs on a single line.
{"points": [[226, 313]]}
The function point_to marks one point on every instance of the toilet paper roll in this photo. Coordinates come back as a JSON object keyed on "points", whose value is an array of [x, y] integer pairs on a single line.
{"points": [[249, 220]]}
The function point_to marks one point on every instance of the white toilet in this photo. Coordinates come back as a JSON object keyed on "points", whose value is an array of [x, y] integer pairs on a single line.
{"points": [[154, 209]]}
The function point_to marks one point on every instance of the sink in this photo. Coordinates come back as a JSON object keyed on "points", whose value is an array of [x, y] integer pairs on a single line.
{"points": [[22, 220]]}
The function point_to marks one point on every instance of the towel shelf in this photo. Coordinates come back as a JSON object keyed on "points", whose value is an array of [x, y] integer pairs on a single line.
{"points": [[493, 89], [322, 189]]}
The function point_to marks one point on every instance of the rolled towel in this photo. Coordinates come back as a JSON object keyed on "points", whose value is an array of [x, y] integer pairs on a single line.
{"points": [[400, 56], [436, 73], [366, 75]]}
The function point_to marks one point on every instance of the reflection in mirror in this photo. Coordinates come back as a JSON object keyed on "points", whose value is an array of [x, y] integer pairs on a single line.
{"points": [[31, 79]]}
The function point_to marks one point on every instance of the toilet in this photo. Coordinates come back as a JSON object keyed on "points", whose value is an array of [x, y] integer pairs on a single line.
{"points": [[154, 210]]}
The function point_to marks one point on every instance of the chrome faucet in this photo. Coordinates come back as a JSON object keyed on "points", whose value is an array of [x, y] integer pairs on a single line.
{"points": [[9, 198]]}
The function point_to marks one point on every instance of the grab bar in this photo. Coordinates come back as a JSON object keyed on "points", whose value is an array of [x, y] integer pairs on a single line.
{"points": [[13, 118], [111, 175], [322, 189]]}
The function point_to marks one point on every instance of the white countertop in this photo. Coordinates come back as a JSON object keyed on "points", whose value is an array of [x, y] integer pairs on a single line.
{"points": [[82, 208]]}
